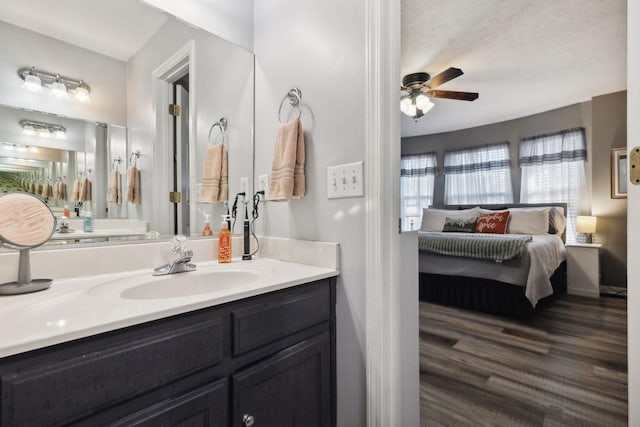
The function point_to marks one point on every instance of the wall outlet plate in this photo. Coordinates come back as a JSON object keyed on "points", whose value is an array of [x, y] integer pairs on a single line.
{"points": [[263, 185], [244, 185], [345, 181]]}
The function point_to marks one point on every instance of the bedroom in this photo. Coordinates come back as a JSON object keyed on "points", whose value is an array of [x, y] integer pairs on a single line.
{"points": [[537, 105]]}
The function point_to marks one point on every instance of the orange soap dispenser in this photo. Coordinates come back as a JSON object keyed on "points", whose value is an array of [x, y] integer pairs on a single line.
{"points": [[224, 242]]}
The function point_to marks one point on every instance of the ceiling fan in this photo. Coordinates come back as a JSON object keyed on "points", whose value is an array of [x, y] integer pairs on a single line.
{"points": [[419, 87]]}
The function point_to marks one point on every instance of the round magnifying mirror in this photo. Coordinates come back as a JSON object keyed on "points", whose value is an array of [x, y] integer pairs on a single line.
{"points": [[25, 223]]}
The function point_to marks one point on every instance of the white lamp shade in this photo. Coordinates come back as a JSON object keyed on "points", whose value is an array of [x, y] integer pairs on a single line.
{"points": [[411, 211], [586, 224], [28, 130], [59, 90], [33, 83], [424, 103], [406, 105], [82, 94]]}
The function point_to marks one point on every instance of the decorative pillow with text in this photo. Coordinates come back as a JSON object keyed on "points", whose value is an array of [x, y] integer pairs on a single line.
{"points": [[495, 222]]}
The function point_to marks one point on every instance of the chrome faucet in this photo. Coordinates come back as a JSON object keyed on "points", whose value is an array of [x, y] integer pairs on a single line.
{"points": [[182, 262]]}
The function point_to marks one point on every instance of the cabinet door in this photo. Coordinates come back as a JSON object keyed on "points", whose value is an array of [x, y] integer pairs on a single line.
{"points": [[203, 407], [292, 388]]}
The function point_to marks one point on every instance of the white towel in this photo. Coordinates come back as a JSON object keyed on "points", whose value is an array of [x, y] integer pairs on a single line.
{"points": [[215, 179], [114, 192], [287, 167]]}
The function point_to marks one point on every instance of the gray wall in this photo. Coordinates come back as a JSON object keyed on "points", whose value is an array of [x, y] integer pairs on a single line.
{"points": [[604, 120]]}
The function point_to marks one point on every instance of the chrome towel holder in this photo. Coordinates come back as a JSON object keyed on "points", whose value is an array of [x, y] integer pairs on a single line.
{"points": [[135, 154], [222, 124], [295, 100]]}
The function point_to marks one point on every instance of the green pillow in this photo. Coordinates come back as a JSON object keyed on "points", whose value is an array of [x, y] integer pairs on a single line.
{"points": [[459, 225]]}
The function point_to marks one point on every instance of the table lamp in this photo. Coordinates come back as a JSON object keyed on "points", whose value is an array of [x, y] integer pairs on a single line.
{"points": [[587, 226], [411, 212]]}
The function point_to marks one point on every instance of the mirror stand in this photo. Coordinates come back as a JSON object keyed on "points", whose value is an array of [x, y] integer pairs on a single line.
{"points": [[24, 284]]}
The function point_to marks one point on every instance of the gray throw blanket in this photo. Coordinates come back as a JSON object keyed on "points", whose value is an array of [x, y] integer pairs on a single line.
{"points": [[499, 248]]}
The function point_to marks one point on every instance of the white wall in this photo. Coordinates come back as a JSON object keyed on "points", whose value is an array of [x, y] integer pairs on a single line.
{"points": [[106, 76], [319, 46], [633, 206], [223, 80], [231, 20]]}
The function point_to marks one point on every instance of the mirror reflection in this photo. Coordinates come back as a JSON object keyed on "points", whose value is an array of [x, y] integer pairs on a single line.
{"points": [[122, 86]]}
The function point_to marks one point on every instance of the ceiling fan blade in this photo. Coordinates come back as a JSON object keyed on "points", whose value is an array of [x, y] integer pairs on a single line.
{"points": [[450, 94], [448, 74]]}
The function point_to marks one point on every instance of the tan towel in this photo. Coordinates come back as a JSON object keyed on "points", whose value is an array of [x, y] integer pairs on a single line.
{"points": [[75, 191], [215, 176], [47, 190], [62, 191], [85, 191], [114, 192], [287, 167], [133, 185]]}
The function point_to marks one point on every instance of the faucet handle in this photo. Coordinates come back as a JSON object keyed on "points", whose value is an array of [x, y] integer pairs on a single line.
{"points": [[186, 253]]}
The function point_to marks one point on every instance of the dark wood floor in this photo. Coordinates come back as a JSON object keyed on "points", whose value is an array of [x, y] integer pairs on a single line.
{"points": [[567, 366]]}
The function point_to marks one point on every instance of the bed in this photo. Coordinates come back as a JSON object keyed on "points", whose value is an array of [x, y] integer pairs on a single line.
{"points": [[524, 278]]}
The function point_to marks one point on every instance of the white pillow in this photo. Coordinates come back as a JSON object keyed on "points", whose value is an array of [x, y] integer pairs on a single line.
{"points": [[528, 221], [434, 219], [557, 219]]}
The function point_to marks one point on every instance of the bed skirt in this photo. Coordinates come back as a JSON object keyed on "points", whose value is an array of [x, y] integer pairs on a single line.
{"points": [[485, 295]]}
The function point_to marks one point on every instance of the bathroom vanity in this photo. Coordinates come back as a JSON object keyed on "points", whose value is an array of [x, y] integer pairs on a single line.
{"points": [[260, 357]]}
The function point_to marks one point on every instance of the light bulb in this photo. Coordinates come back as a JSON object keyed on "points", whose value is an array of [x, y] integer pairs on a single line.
{"points": [[82, 94], [33, 83], [44, 132], [59, 90], [59, 134]]}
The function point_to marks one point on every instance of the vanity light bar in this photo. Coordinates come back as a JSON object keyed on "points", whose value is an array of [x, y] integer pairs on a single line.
{"points": [[58, 85], [46, 130]]}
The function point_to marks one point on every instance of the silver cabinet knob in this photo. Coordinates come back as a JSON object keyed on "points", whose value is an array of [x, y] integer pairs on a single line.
{"points": [[248, 420]]}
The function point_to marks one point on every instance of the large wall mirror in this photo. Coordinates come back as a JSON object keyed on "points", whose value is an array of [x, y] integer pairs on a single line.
{"points": [[134, 62]]}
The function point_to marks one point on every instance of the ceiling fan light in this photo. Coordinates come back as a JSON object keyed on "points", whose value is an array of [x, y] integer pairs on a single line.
{"points": [[405, 105], [423, 103], [32, 82]]}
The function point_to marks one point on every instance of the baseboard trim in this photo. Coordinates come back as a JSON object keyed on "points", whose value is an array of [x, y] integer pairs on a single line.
{"points": [[583, 292]]}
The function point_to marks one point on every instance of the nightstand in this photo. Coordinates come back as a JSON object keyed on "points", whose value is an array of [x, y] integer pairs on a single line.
{"points": [[583, 269]]}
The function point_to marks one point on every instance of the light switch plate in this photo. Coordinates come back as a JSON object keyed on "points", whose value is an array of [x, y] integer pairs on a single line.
{"points": [[244, 185], [345, 181], [263, 184]]}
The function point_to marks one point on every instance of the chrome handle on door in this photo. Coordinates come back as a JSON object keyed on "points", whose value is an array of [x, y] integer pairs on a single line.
{"points": [[247, 420]]}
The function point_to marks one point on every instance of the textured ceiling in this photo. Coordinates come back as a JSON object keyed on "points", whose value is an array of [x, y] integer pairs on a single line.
{"points": [[116, 28], [523, 56]]}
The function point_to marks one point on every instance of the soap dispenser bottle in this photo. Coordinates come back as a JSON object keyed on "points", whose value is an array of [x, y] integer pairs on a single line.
{"points": [[206, 230], [224, 242]]}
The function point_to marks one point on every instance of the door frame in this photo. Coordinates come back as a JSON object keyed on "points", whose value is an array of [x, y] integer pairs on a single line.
{"points": [[176, 66]]}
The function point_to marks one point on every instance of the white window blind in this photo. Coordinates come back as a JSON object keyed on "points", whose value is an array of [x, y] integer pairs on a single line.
{"points": [[553, 170], [478, 175], [417, 175]]}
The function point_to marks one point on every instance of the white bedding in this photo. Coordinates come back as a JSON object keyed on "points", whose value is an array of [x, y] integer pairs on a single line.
{"points": [[544, 255]]}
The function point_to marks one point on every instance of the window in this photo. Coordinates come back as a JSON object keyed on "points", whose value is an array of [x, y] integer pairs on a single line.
{"points": [[478, 175], [417, 174], [553, 171]]}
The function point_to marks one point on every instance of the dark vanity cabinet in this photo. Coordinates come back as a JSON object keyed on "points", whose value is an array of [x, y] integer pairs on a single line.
{"points": [[267, 360]]}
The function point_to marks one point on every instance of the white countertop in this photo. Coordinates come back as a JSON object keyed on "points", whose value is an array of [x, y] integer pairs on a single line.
{"points": [[85, 306]]}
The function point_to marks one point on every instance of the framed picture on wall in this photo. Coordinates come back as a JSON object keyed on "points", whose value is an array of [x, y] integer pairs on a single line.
{"points": [[619, 173]]}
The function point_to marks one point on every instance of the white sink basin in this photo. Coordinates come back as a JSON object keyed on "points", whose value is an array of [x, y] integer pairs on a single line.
{"points": [[148, 287]]}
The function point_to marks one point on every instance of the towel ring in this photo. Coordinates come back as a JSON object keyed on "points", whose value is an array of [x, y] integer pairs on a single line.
{"points": [[222, 124], [295, 99], [135, 154]]}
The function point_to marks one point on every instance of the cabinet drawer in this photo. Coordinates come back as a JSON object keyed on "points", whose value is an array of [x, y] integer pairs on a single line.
{"points": [[205, 406], [65, 390], [262, 323]]}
